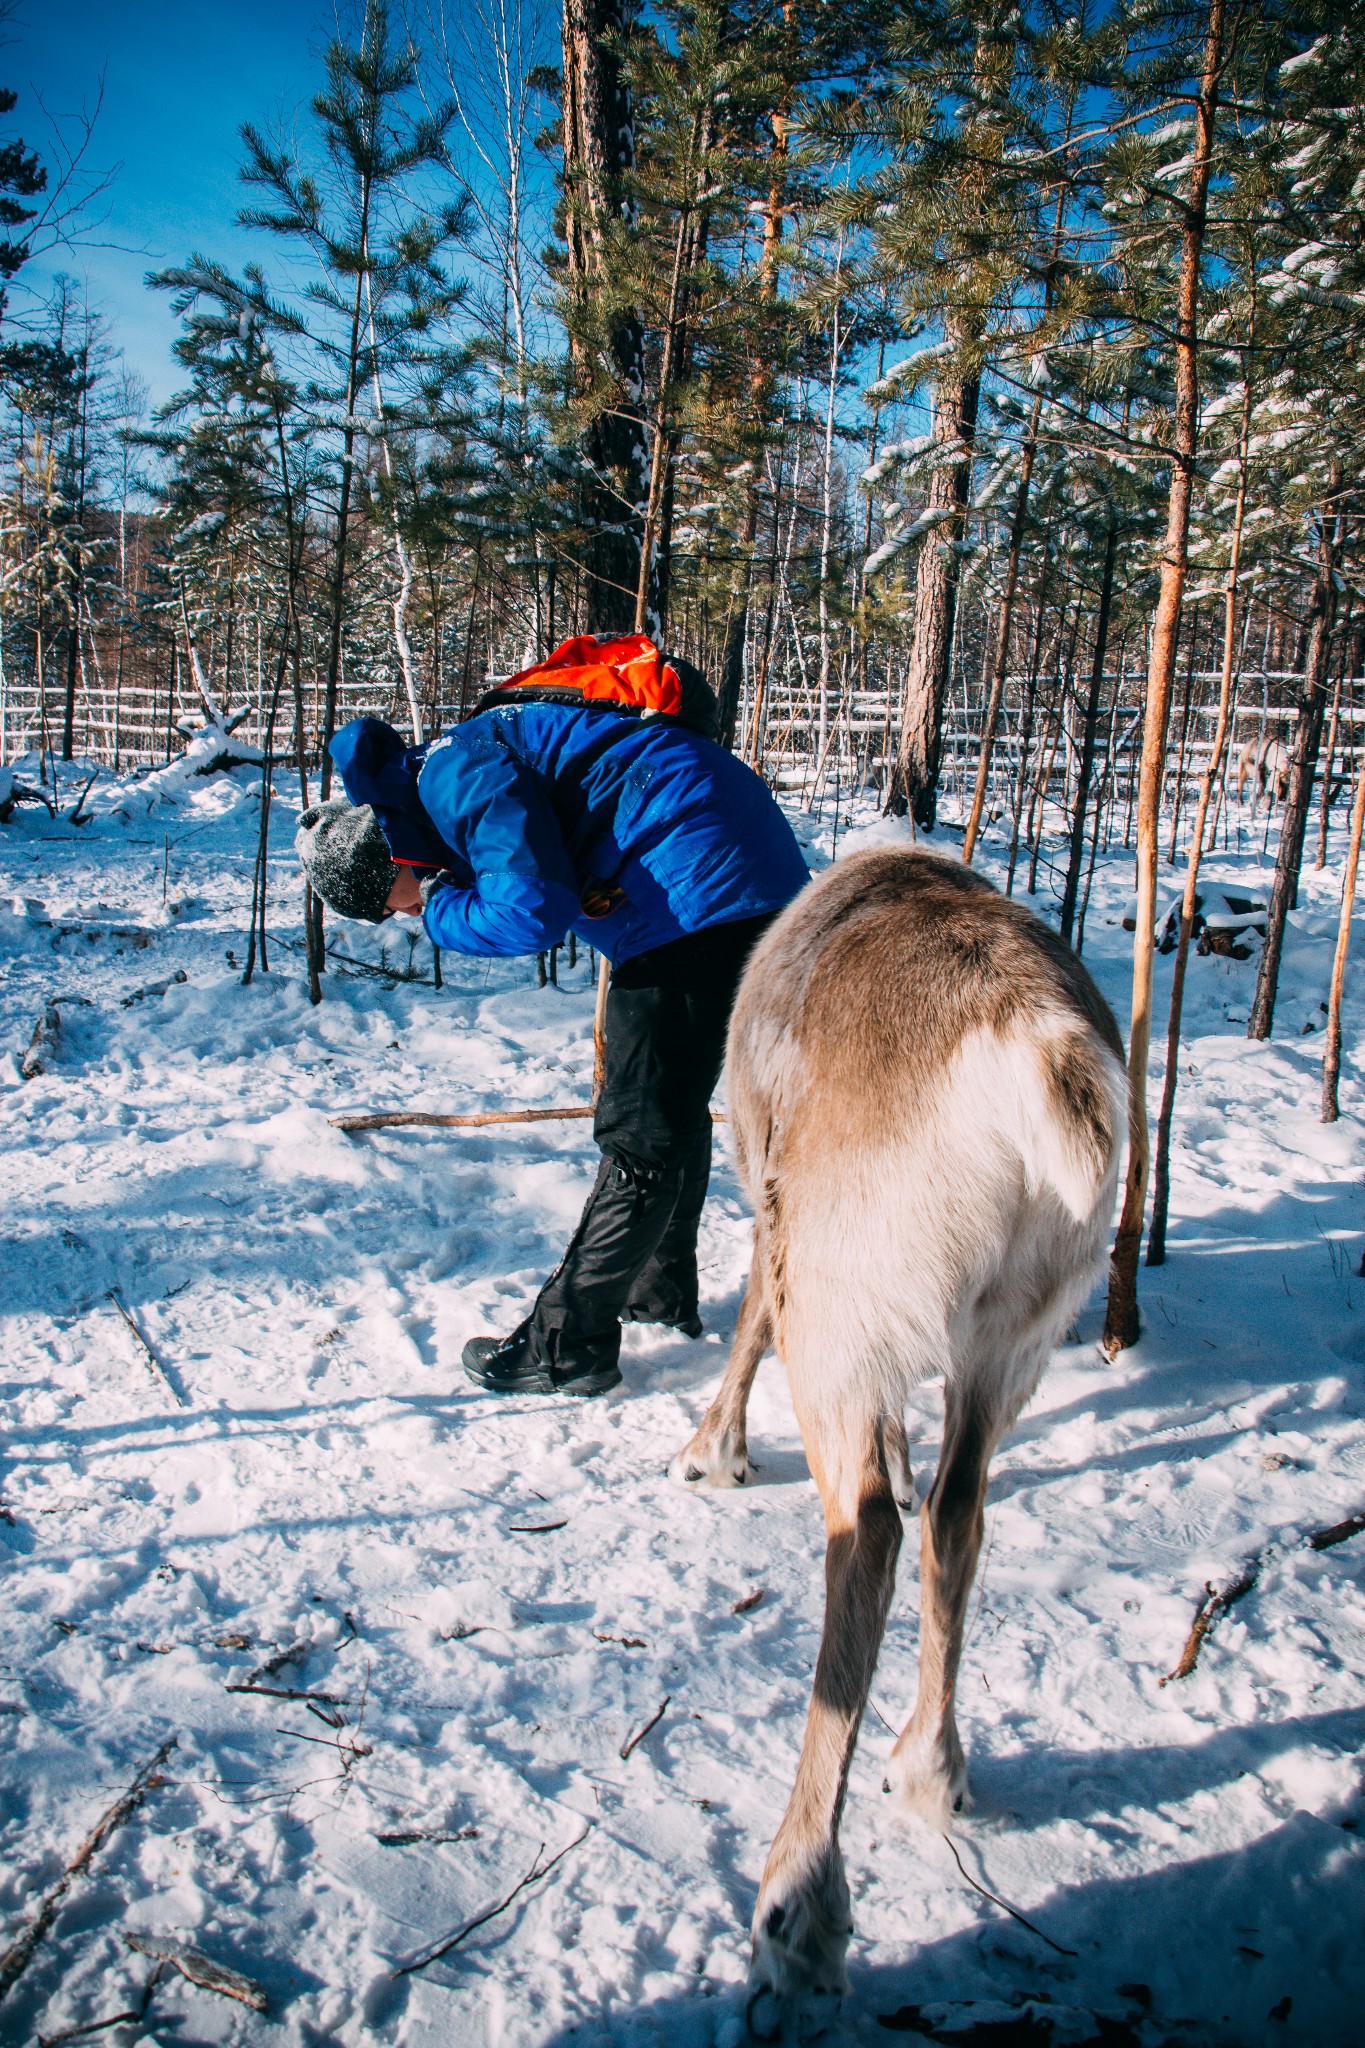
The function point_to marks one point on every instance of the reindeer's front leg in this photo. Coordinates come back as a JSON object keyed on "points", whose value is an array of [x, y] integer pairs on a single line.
{"points": [[802, 1923], [718, 1454]]}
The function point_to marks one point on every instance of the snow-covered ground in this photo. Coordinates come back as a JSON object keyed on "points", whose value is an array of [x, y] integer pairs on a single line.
{"points": [[487, 1600]]}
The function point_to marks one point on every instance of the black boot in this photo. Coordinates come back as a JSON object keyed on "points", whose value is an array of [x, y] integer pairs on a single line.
{"points": [[666, 1289], [518, 1365], [571, 1340]]}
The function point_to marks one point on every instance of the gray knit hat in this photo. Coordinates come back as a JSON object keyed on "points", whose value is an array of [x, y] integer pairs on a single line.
{"points": [[346, 858]]}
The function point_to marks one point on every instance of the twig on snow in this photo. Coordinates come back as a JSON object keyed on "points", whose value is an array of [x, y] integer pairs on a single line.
{"points": [[533, 1876], [297, 1653], [74, 816], [1011, 1910], [18, 1955], [1336, 1532], [749, 1602], [43, 1045], [536, 1528], [350, 1752], [153, 988], [1216, 1601], [200, 1969], [158, 1370], [633, 1742], [406, 1838], [290, 1692], [115, 2019]]}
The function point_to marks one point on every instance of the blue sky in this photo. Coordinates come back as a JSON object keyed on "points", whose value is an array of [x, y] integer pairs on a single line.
{"points": [[180, 77]]}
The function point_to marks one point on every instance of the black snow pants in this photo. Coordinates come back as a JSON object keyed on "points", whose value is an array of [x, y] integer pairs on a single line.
{"points": [[633, 1256]]}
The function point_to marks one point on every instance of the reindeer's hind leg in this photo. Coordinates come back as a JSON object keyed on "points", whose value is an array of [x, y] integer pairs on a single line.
{"points": [[927, 1767], [897, 1449], [719, 1453], [802, 1923]]}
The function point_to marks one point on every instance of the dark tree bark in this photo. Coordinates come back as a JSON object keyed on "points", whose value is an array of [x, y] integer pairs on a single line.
{"points": [[599, 151], [1092, 714], [760, 387], [914, 778], [995, 689], [1312, 706]]}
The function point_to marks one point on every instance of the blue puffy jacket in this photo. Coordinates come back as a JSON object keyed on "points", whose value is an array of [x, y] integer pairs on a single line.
{"points": [[553, 817]]}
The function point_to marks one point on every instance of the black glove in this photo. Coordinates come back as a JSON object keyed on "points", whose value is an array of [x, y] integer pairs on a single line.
{"points": [[431, 883]]}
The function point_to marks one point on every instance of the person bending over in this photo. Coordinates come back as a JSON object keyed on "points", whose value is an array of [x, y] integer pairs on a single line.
{"points": [[581, 796]]}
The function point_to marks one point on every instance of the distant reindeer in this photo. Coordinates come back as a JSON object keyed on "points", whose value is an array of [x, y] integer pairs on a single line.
{"points": [[928, 1098], [1266, 762]]}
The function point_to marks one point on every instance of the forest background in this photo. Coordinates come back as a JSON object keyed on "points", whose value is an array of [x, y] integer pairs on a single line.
{"points": [[975, 393]]}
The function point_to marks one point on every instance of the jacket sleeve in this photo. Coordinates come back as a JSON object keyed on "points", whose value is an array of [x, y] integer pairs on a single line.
{"points": [[496, 814]]}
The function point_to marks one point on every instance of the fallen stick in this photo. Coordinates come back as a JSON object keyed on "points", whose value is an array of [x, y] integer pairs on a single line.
{"points": [[533, 1876], [1216, 1601], [157, 1369], [74, 816], [633, 1742], [290, 1692], [43, 1045], [426, 1119], [297, 1653], [115, 2019], [1337, 1532], [406, 1839], [154, 988], [18, 1955], [200, 1969]]}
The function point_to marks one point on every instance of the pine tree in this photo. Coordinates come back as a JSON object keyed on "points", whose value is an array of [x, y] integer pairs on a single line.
{"points": [[378, 288]]}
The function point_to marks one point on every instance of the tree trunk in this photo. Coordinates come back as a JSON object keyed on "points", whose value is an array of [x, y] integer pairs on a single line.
{"points": [[599, 150], [1179, 794], [1161, 1192], [737, 626], [1026, 725], [760, 385], [914, 778], [1326, 801], [1092, 714], [1000, 652], [1122, 1324], [1284, 892], [341, 539]]}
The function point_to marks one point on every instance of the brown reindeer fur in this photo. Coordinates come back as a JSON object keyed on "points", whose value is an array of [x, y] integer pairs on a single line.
{"points": [[928, 1097]]}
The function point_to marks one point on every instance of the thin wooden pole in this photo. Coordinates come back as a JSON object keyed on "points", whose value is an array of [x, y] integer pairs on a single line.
{"points": [[1122, 1324], [1331, 1055], [599, 1027]]}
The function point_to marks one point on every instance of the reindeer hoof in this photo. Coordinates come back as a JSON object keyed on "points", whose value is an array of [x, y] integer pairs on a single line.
{"points": [[710, 1465], [814, 2009], [930, 1789], [763, 2013], [796, 1978]]}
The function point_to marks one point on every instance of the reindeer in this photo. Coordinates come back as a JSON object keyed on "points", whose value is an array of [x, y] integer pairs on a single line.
{"points": [[1266, 762], [928, 1095]]}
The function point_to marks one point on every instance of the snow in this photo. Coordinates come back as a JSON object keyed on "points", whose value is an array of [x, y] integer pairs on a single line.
{"points": [[497, 1596]]}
